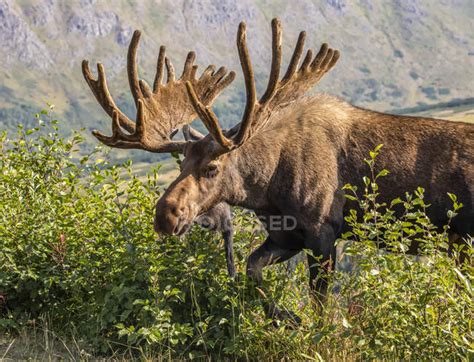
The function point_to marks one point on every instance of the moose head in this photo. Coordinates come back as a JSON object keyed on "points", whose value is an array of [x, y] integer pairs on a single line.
{"points": [[161, 111], [212, 168]]}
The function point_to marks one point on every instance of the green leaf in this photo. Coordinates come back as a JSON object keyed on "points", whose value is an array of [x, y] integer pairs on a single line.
{"points": [[350, 197], [366, 180], [453, 197], [464, 280], [382, 173]]}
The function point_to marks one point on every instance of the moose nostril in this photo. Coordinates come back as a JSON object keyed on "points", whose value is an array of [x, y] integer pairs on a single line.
{"points": [[177, 211]]}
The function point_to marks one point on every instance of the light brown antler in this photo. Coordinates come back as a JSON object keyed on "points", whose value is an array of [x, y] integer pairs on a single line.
{"points": [[295, 83], [161, 110]]}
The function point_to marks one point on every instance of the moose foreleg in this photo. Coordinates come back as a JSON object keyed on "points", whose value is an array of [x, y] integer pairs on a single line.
{"points": [[269, 253], [229, 251]]}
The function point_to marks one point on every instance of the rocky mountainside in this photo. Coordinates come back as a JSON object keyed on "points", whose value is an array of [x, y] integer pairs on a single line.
{"points": [[395, 54]]}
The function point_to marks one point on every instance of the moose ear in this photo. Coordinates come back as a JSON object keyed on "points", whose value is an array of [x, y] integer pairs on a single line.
{"points": [[191, 134]]}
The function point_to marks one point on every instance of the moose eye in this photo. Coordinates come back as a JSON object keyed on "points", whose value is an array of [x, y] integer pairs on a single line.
{"points": [[210, 171]]}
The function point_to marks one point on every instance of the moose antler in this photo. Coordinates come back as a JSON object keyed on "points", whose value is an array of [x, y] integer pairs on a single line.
{"points": [[279, 92], [161, 111]]}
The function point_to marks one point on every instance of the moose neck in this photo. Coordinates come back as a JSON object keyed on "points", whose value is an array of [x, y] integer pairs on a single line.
{"points": [[251, 172], [294, 146]]}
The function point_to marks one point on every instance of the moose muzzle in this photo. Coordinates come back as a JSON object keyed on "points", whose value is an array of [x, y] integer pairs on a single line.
{"points": [[171, 218]]}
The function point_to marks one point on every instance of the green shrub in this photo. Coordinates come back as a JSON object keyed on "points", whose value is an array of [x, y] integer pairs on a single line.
{"points": [[77, 249], [405, 307]]}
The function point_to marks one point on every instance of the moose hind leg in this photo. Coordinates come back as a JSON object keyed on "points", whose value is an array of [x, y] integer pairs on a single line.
{"points": [[269, 253], [321, 262]]}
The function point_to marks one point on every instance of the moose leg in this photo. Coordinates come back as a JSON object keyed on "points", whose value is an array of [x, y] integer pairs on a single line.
{"points": [[229, 251], [269, 253], [321, 263]]}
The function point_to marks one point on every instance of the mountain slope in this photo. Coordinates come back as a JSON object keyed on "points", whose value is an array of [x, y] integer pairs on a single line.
{"points": [[395, 54]]}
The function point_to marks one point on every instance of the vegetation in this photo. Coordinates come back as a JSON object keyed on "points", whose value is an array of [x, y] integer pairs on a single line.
{"points": [[83, 273]]}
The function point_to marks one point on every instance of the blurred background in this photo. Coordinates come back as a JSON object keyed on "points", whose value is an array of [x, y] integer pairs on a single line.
{"points": [[403, 56]]}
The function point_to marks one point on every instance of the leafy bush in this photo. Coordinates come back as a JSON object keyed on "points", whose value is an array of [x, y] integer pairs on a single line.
{"points": [[406, 307], [77, 250]]}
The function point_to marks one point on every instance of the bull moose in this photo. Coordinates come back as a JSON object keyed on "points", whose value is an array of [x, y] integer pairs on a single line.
{"points": [[291, 154]]}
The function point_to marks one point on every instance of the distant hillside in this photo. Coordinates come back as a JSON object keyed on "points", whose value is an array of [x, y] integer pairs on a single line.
{"points": [[395, 54], [462, 111]]}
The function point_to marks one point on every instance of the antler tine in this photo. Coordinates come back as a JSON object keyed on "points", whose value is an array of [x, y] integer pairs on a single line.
{"points": [[117, 133], [306, 61], [186, 132], [194, 132], [249, 78], [329, 63], [190, 133], [170, 70], [188, 66], [224, 82], [295, 58], [132, 67], [219, 74], [252, 105], [159, 69], [208, 118], [323, 51], [324, 60], [207, 72], [247, 70], [296, 82], [101, 92], [140, 132], [276, 62], [122, 140], [145, 88]]}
